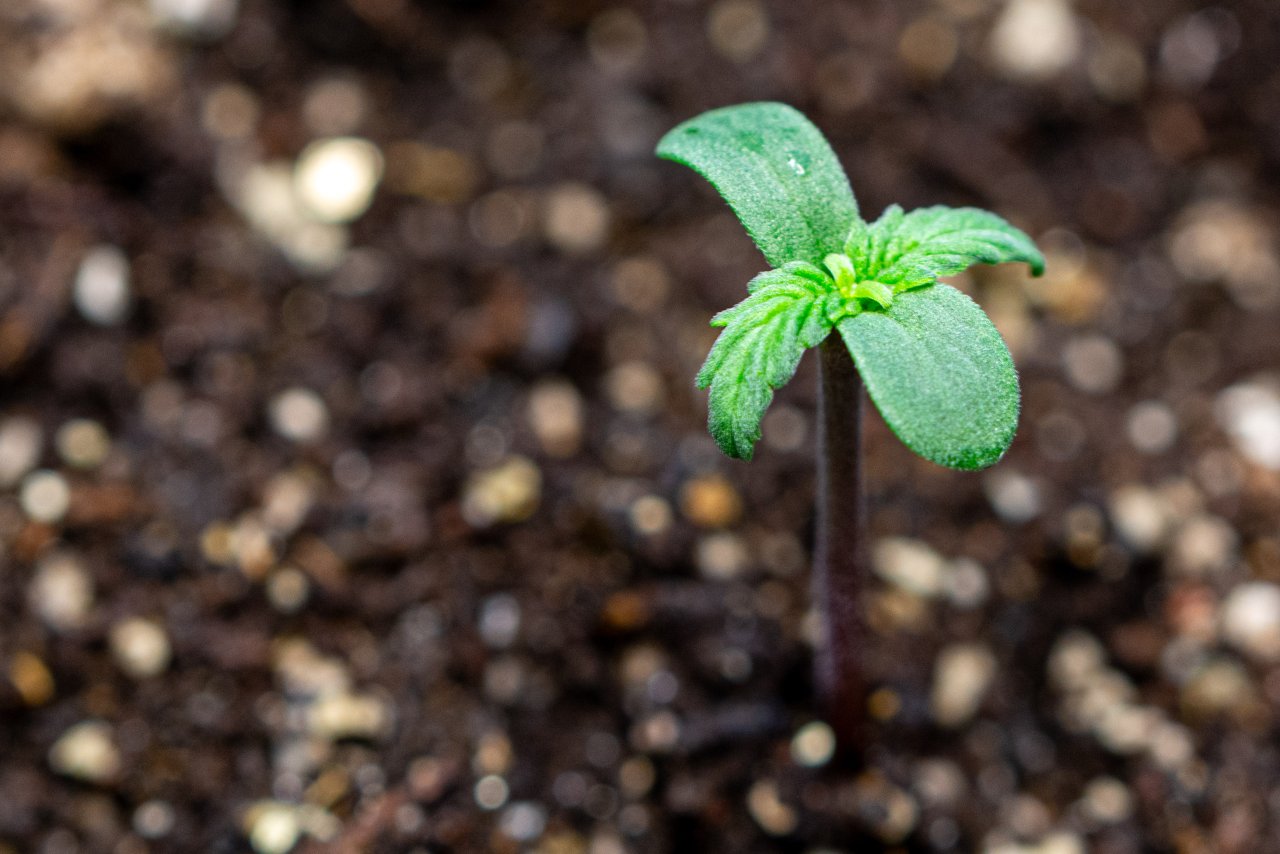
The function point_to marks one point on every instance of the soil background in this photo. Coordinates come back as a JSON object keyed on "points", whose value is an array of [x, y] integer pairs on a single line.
{"points": [[355, 494]]}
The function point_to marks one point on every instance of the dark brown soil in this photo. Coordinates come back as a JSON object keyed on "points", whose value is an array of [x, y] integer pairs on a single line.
{"points": [[500, 591]]}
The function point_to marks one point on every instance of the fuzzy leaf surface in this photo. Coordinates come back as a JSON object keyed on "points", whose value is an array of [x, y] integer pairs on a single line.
{"points": [[939, 373], [759, 350], [907, 250], [776, 171]]}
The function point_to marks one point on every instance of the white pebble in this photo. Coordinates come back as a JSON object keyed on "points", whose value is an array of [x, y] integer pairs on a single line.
{"points": [[1139, 517], [207, 18], [101, 292], [523, 821], [555, 414], [21, 441], [1093, 363], [1035, 39], [141, 647], [1250, 619], [83, 443], [1107, 800], [577, 218], [45, 496], [299, 414], [344, 715], [1152, 427], [500, 620], [87, 751], [1014, 496], [61, 592], [813, 745], [335, 179], [910, 565], [274, 827], [154, 819], [961, 677], [508, 492], [1250, 412], [722, 556], [1204, 545]]}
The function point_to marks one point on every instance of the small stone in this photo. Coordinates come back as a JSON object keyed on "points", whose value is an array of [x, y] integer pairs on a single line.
{"points": [[1139, 516], [1076, 658], [962, 675], [556, 414], [1250, 412], [273, 827], [204, 18], [767, 808], [154, 819], [286, 501], [335, 179], [1250, 620], [738, 29], [141, 647], [499, 620], [722, 556], [31, 678], [287, 589], [87, 751], [1107, 800], [491, 792], [966, 584], [20, 444], [1093, 363], [523, 821], [1172, 746], [641, 283], [343, 715], [45, 496], [61, 592], [1014, 496], [101, 290], [1035, 39], [710, 501], [650, 515], [1152, 427], [507, 492], [813, 745], [1203, 545], [1061, 842], [299, 415], [82, 443], [577, 218], [634, 387], [1124, 728], [909, 565]]}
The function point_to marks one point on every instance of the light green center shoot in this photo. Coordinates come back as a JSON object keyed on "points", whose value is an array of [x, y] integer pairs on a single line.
{"points": [[841, 269]]}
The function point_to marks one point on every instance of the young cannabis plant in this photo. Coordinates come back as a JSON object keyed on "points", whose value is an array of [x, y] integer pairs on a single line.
{"points": [[868, 295], [932, 362]]}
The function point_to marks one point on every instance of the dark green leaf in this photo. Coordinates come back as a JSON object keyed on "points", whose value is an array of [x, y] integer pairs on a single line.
{"points": [[940, 375], [763, 339], [777, 172], [908, 250]]}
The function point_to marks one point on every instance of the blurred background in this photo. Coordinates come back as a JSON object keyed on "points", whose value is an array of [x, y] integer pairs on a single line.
{"points": [[355, 495]]}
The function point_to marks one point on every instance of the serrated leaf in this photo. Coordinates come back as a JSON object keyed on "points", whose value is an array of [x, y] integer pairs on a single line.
{"points": [[940, 374], [908, 250], [776, 171], [759, 350]]}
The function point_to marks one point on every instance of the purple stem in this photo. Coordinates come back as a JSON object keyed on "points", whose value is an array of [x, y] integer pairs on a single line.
{"points": [[838, 562]]}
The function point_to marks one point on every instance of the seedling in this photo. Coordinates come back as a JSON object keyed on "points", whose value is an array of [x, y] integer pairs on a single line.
{"points": [[868, 296]]}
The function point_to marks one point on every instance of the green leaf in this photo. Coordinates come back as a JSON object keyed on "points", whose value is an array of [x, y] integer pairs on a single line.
{"points": [[777, 172], [763, 339], [939, 373], [909, 250]]}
